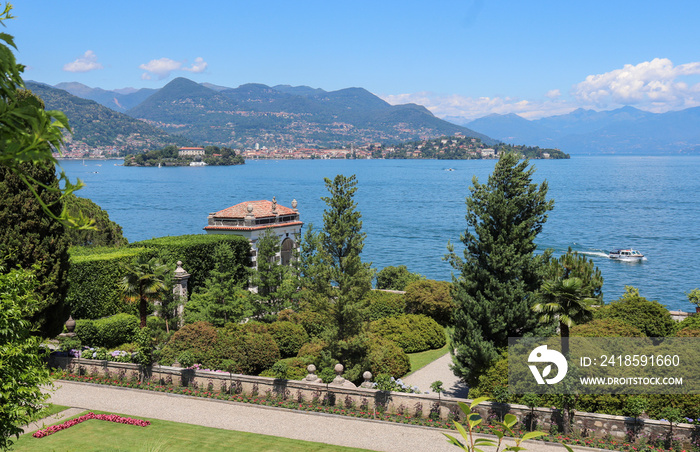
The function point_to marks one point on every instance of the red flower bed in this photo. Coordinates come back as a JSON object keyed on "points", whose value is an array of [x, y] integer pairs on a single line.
{"points": [[102, 417]]}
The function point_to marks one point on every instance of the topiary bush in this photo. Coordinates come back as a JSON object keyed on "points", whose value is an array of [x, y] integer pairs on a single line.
{"points": [[651, 317], [117, 329], [383, 304], [198, 338], [413, 333], [86, 331], [244, 352], [386, 357], [289, 337], [431, 298]]}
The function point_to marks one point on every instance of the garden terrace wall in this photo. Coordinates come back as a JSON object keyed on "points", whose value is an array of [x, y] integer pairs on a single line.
{"points": [[589, 424]]}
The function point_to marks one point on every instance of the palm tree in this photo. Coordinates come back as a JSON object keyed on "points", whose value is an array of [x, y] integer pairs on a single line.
{"points": [[145, 279], [565, 301]]}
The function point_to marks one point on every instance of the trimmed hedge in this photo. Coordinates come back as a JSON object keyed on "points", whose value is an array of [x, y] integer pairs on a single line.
{"points": [[93, 281], [412, 332], [95, 272], [198, 338], [196, 251], [107, 332], [606, 328]]}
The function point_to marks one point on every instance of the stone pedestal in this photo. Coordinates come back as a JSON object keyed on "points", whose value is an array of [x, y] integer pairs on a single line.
{"points": [[180, 279]]}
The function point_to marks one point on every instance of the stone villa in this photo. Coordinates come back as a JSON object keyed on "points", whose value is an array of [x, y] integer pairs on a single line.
{"points": [[251, 219]]}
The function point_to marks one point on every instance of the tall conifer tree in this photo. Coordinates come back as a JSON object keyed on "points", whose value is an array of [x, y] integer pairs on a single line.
{"points": [[494, 288]]}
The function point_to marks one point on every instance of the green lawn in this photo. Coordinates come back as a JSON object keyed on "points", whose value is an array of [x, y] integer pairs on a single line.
{"points": [[422, 359], [161, 436], [51, 409]]}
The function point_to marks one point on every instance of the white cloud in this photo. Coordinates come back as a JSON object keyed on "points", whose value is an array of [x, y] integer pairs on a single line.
{"points": [[163, 67], [87, 62], [455, 106], [198, 66], [654, 85], [553, 94]]}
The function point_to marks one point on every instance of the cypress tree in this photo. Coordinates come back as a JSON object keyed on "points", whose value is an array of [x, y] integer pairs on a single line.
{"points": [[494, 288], [29, 237]]}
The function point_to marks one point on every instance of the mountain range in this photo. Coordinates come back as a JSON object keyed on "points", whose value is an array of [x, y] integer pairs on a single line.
{"points": [[281, 115], [625, 131]]}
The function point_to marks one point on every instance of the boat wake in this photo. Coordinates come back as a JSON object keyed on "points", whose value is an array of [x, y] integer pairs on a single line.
{"points": [[595, 253]]}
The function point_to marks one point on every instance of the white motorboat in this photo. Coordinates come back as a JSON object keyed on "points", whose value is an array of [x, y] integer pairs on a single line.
{"points": [[627, 254]]}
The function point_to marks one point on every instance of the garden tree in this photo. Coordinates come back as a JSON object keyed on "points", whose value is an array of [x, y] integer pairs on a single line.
{"points": [[222, 299], [563, 301], [275, 283], [499, 274], [651, 317], [22, 371], [341, 275], [432, 298], [396, 278], [576, 265], [30, 236], [145, 281], [105, 233]]}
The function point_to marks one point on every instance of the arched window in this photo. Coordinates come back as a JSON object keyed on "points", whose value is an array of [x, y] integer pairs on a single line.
{"points": [[287, 247]]}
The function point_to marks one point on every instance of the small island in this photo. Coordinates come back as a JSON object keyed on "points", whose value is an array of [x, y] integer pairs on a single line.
{"points": [[460, 148], [186, 156]]}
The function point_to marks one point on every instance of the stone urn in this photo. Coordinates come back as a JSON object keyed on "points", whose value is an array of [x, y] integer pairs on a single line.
{"points": [[70, 324]]}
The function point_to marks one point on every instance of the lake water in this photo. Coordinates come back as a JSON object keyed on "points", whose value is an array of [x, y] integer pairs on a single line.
{"points": [[411, 208]]}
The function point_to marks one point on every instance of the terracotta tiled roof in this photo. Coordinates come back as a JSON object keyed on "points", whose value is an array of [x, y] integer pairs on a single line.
{"points": [[261, 209], [251, 228]]}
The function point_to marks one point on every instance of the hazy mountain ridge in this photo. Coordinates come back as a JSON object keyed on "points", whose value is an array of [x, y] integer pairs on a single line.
{"points": [[625, 131]]}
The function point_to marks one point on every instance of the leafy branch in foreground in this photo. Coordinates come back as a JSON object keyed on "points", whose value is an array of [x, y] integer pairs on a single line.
{"points": [[28, 132], [473, 444]]}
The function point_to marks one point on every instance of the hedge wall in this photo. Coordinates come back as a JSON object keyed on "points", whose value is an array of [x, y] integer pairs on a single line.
{"points": [[95, 272], [93, 281], [195, 252]]}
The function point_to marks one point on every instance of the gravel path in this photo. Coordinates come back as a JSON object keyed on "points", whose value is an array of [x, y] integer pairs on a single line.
{"points": [[438, 370], [323, 428]]}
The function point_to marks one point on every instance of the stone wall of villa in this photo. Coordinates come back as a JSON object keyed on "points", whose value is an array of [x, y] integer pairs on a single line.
{"points": [[591, 424]]}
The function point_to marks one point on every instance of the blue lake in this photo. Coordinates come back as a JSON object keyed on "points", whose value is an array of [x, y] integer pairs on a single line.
{"points": [[411, 208]]}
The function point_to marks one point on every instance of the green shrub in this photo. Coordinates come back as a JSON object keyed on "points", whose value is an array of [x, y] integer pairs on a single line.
{"points": [[606, 328], [692, 322], [117, 329], [383, 304], [198, 338], [396, 278], [196, 251], [86, 331], [244, 352], [312, 349], [652, 318], [386, 357], [413, 333], [93, 281], [289, 337], [295, 368], [313, 322], [431, 298]]}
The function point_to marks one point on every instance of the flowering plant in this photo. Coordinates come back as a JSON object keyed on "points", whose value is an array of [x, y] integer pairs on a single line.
{"points": [[103, 417]]}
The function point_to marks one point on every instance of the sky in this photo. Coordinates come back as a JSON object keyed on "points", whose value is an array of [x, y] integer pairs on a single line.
{"points": [[460, 59]]}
